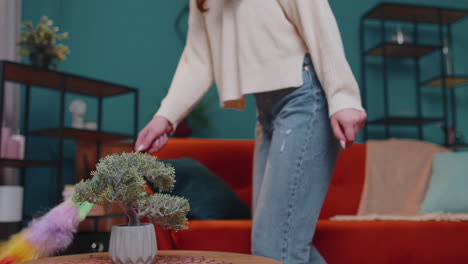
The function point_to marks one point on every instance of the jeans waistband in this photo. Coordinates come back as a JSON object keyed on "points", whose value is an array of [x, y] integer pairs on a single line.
{"points": [[307, 60]]}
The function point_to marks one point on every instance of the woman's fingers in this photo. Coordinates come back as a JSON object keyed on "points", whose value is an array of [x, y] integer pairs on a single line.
{"points": [[139, 145], [158, 144], [165, 138], [346, 124], [350, 133], [147, 138], [337, 130], [154, 146]]}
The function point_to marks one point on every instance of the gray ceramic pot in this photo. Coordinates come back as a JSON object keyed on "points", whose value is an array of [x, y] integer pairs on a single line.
{"points": [[133, 244]]}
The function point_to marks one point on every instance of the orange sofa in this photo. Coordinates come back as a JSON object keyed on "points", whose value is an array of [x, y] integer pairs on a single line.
{"points": [[402, 242]]}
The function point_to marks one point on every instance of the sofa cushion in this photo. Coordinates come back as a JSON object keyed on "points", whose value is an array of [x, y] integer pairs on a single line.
{"points": [[408, 242], [363, 242], [448, 184], [208, 195]]}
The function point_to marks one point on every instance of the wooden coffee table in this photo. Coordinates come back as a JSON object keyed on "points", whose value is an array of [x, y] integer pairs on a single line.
{"points": [[233, 258]]}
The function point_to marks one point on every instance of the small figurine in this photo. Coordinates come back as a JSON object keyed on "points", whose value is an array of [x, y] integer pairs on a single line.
{"points": [[78, 110]]}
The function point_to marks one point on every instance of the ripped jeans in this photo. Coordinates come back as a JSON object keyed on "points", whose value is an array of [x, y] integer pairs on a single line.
{"points": [[295, 154]]}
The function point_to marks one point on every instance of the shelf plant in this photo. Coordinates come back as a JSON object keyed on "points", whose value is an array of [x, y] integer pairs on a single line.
{"points": [[41, 43]]}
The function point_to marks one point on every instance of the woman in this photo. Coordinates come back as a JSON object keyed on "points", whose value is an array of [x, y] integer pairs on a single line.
{"points": [[289, 54]]}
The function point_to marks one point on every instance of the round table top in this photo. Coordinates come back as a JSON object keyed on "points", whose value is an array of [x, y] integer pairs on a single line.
{"points": [[98, 258]]}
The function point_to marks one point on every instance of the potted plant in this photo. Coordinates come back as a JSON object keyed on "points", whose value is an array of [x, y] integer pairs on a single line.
{"points": [[40, 43], [121, 179]]}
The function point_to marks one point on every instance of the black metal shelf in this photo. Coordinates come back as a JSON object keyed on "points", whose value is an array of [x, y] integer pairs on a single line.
{"points": [[404, 121], [450, 81], [416, 13], [412, 17], [396, 50], [81, 134], [64, 83]]}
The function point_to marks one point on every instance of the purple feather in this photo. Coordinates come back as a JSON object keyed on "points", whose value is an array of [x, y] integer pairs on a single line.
{"points": [[54, 231]]}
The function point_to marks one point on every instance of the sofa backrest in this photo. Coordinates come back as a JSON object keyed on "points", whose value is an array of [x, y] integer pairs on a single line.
{"points": [[231, 160]]}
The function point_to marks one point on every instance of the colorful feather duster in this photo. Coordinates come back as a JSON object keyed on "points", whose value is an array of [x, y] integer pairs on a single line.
{"points": [[46, 235]]}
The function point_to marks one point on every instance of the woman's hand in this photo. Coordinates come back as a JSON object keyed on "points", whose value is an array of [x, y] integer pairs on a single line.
{"points": [[346, 124], [154, 136]]}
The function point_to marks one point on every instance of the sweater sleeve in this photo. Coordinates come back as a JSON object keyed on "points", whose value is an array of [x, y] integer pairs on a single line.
{"points": [[317, 26], [194, 75]]}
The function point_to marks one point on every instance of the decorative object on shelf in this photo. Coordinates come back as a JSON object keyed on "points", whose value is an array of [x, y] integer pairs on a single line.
{"points": [[90, 125], [15, 147], [6, 134], [77, 109], [451, 136], [12, 145], [11, 204], [448, 56], [40, 43], [454, 137], [120, 179], [400, 36]]}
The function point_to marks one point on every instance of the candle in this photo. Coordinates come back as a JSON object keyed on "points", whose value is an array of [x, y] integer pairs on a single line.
{"points": [[11, 204]]}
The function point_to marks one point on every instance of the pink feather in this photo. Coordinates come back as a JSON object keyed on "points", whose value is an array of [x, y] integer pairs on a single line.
{"points": [[54, 231]]}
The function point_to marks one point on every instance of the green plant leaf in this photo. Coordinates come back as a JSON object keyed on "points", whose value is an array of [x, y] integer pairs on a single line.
{"points": [[120, 179]]}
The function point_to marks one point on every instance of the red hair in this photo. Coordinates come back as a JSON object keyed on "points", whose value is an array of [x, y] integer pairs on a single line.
{"points": [[201, 5]]}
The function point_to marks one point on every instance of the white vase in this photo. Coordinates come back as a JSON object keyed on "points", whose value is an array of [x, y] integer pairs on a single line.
{"points": [[133, 244]]}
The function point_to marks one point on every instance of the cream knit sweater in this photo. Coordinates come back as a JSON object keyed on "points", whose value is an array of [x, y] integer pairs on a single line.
{"points": [[251, 46]]}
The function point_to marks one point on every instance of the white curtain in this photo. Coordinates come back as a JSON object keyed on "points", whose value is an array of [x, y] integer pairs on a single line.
{"points": [[10, 20]]}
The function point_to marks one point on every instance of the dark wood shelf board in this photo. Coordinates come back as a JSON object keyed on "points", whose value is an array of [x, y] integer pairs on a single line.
{"points": [[81, 134], [414, 13], [25, 163], [404, 121], [401, 50], [28, 75], [450, 81]]}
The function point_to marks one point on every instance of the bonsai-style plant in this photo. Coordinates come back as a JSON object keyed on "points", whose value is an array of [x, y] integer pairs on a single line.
{"points": [[120, 179], [41, 43]]}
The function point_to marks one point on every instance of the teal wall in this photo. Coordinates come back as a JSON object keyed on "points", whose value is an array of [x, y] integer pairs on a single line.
{"points": [[134, 43]]}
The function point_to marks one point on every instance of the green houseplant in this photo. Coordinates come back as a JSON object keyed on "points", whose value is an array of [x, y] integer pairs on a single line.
{"points": [[121, 179], [40, 43]]}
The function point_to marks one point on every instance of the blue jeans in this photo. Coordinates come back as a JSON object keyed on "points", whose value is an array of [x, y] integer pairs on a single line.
{"points": [[295, 154]]}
